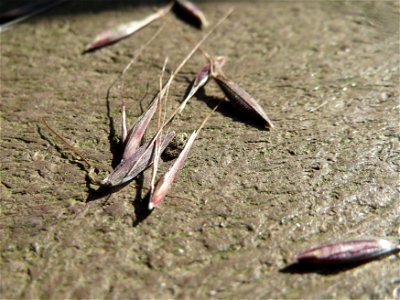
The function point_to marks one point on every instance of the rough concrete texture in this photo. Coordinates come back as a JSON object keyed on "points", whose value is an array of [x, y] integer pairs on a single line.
{"points": [[326, 72]]}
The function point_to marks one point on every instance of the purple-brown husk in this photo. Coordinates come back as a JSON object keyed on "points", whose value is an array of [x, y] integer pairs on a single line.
{"points": [[122, 31], [132, 166], [201, 80], [190, 13], [165, 182], [135, 135], [349, 251], [243, 100]]}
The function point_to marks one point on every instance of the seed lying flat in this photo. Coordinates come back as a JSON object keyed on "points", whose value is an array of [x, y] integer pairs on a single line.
{"points": [[122, 31], [22, 13], [191, 13], [349, 251], [242, 100]]}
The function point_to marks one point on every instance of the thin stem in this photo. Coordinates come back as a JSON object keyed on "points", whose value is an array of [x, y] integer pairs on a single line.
{"points": [[188, 39], [208, 117], [137, 53], [67, 144], [157, 151]]}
